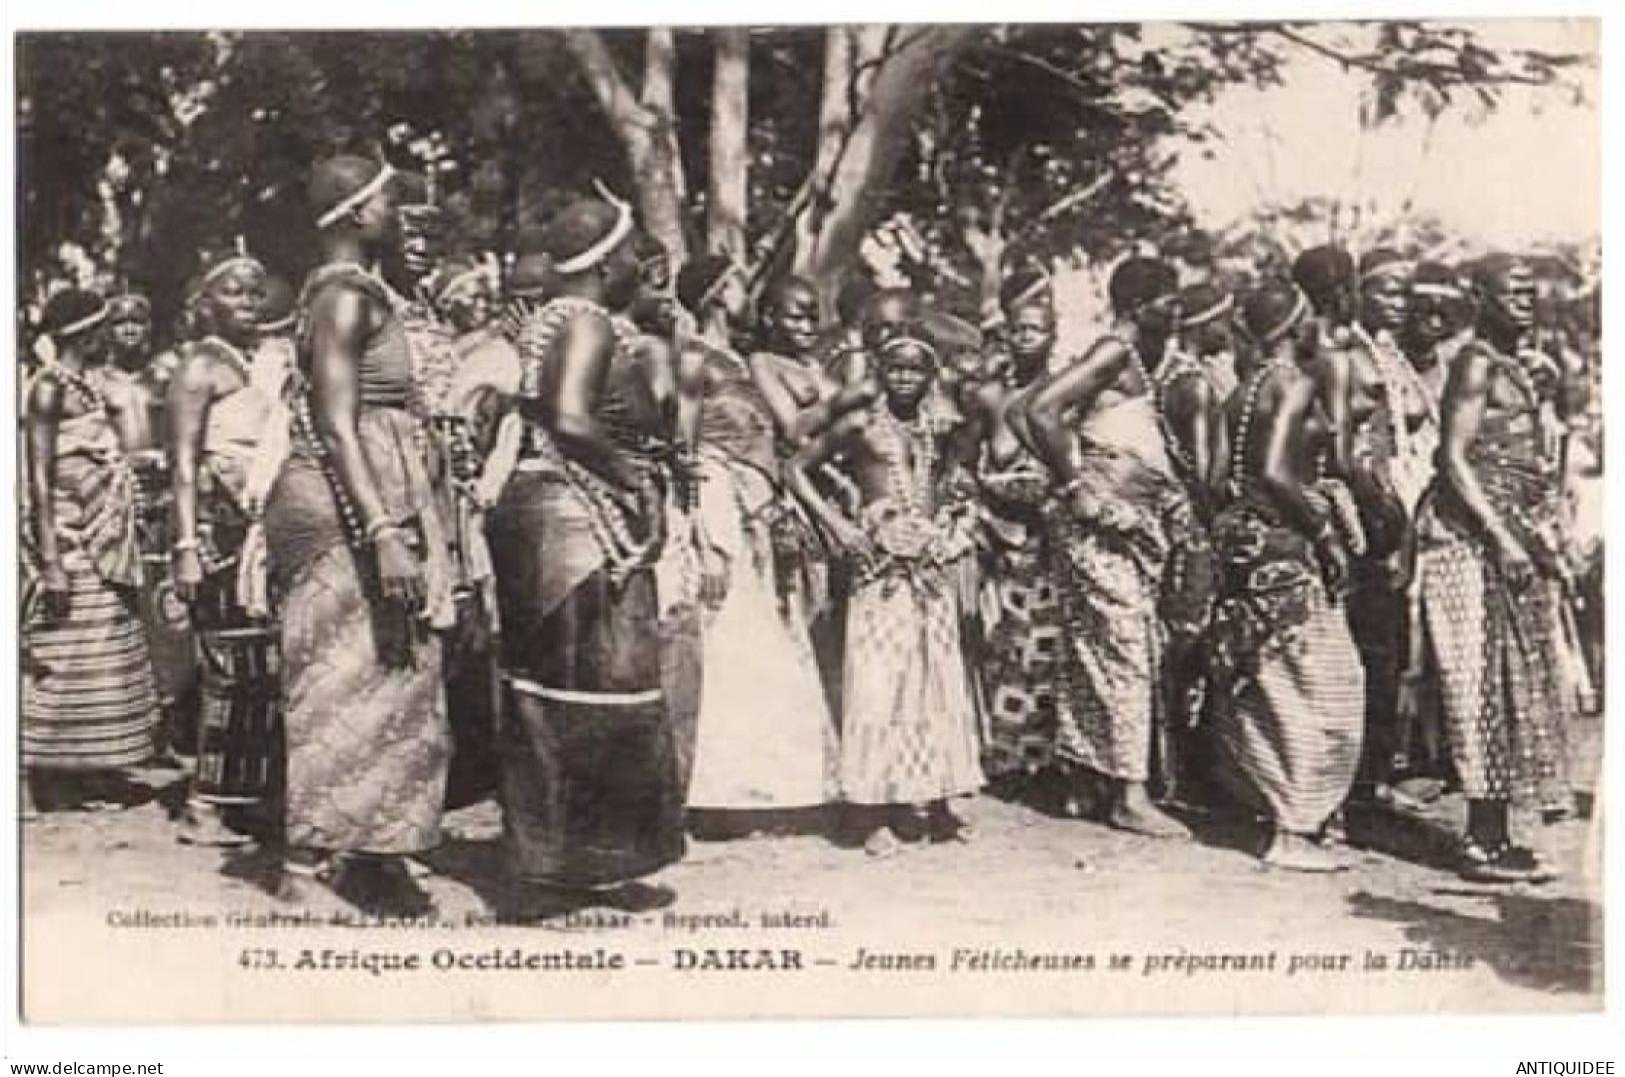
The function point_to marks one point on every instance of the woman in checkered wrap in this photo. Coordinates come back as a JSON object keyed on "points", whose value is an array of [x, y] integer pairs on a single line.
{"points": [[1095, 426], [1492, 572]]}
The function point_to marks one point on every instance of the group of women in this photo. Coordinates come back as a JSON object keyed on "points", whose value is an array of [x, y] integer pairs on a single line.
{"points": [[576, 535]]}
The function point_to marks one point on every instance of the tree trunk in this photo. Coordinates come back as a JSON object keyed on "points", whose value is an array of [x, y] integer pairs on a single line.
{"points": [[645, 125], [659, 167], [730, 155], [877, 79], [835, 120]]}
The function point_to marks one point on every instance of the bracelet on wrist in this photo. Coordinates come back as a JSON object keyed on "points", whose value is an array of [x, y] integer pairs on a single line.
{"points": [[185, 545]]}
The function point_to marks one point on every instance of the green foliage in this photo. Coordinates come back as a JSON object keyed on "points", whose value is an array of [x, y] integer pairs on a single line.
{"points": [[150, 149]]}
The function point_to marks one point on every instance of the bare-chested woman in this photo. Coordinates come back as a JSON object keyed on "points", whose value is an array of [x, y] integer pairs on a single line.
{"points": [[804, 398], [908, 738], [1288, 683], [1359, 397], [1023, 636], [1491, 568], [591, 789]]}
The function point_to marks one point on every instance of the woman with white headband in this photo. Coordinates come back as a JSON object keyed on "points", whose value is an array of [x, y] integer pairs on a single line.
{"points": [[909, 725], [358, 550], [228, 436], [1287, 684], [590, 781], [1438, 320], [89, 708]]}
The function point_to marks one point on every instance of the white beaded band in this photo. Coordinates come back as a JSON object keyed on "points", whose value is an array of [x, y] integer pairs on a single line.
{"points": [[1437, 291], [89, 321], [1396, 268], [467, 276], [1300, 307], [220, 269], [360, 198], [596, 253], [899, 343], [1224, 306]]}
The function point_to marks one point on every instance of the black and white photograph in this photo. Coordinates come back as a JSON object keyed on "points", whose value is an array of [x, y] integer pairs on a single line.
{"points": [[897, 520]]}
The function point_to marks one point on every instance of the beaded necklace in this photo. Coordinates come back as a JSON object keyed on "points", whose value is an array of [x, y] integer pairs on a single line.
{"points": [[911, 455], [304, 428], [1249, 414], [608, 515], [536, 330], [1177, 366], [75, 382], [238, 361]]}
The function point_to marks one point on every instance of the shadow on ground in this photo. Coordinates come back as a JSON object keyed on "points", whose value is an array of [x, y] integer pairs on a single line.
{"points": [[1550, 944]]}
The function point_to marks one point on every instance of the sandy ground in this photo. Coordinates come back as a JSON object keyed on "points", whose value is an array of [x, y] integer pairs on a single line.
{"points": [[1029, 879]]}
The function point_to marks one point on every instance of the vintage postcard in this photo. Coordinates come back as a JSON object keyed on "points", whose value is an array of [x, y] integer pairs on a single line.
{"points": [[864, 520]]}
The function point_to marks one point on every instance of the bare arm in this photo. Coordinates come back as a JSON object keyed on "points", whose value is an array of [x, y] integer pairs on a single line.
{"points": [[1466, 394], [191, 393], [965, 440], [44, 412], [1334, 373], [1041, 424], [1192, 420], [781, 402], [1283, 445], [690, 375], [658, 361], [813, 455], [794, 423], [341, 322], [570, 392]]}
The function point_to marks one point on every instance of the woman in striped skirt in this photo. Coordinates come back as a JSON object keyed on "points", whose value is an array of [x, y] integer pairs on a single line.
{"points": [[89, 706], [1288, 689], [229, 435]]}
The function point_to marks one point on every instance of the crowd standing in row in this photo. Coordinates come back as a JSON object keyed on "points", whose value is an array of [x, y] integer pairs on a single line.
{"points": [[579, 536]]}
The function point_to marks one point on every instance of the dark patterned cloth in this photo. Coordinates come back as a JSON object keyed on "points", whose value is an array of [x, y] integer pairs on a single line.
{"points": [[1288, 690], [1024, 637], [591, 789]]}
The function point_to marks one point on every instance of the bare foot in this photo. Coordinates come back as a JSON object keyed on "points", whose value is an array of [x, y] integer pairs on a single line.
{"points": [[1420, 790], [202, 825], [298, 888], [1149, 820], [883, 844], [1335, 834], [1291, 852]]}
